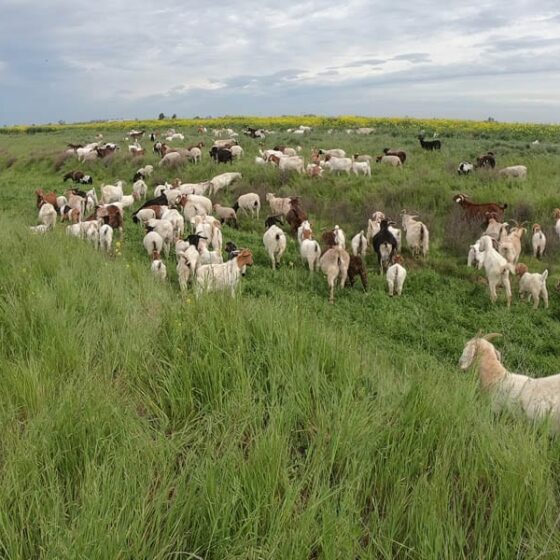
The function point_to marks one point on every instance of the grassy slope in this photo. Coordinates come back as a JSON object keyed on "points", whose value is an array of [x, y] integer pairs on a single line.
{"points": [[142, 424]]}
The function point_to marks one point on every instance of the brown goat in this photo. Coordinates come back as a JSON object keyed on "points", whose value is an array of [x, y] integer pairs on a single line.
{"points": [[357, 268], [328, 238], [401, 154], [112, 216], [296, 215], [479, 212], [43, 197], [486, 160]]}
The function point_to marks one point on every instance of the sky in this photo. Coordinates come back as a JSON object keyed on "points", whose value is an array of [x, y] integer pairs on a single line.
{"points": [[79, 61]]}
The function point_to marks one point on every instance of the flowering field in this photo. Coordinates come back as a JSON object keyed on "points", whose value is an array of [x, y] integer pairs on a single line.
{"points": [[394, 126]]}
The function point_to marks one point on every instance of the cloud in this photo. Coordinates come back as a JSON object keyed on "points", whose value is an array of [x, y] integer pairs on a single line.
{"points": [[186, 57]]}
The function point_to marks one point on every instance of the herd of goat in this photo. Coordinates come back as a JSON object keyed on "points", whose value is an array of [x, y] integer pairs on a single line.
{"points": [[177, 205], [199, 254]]}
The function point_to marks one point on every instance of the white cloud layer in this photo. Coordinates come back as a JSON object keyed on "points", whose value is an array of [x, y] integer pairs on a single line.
{"points": [[79, 61]]}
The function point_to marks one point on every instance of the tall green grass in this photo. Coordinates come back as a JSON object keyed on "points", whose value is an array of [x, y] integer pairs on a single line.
{"points": [[139, 422]]}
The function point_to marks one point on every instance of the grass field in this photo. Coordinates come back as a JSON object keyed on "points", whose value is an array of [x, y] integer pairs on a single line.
{"points": [[142, 423]]}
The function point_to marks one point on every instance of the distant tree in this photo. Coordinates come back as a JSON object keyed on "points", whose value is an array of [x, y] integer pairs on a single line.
{"points": [[491, 119], [61, 122], [174, 116], [161, 116]]}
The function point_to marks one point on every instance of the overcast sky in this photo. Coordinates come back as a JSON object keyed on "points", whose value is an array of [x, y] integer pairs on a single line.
{"points": [[69, 60]]}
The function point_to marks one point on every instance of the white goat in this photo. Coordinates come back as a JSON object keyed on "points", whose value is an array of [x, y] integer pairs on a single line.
{"points": [[165, 230], [514, 172], [538, 398], [334, 264], [396, 275], [159, 270], [140, 188], [153, 243], [250, 202], [112, 193], [208, 257], [359, 244], [533, 284], [417, 234], [47, 215], [278, 205], [538, 241], [361, 168], [497, 268], [212, 277], [105, 238], [310, 250], [222, 181], [338, 164], [274, 240]]}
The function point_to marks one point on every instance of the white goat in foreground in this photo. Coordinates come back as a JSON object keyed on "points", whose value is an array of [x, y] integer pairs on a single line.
{"points": [[497, 268], [538, 398], [159, 270]]}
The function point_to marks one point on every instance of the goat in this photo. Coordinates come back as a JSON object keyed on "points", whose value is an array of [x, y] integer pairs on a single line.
{"points": [[538, 398], [533, 284], [479, 212], [417, 234], [429, 145], [394, 161], [514, 172], [538, 241], [396, 275], [465, 168], [212, 277], [497, 269], [310, 250], [487, 160], [359, 244], [274, 241], [384, 245], [357, 267], [296, 216], [250, 202], [510, 246], [401, 154], [334, 263]]}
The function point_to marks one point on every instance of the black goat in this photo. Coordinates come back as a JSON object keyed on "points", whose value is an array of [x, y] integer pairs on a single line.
{"points": [[429, 145], [384, 245], [221, 155]]}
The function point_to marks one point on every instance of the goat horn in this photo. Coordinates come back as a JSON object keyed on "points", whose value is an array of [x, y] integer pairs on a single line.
{"points": [[491, 336]]}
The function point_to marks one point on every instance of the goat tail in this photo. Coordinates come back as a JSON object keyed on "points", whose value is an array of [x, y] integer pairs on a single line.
{"points": [[544, 276]]}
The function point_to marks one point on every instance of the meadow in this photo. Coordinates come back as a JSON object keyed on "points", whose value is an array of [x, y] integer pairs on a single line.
{"points": [[139, 422]]}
